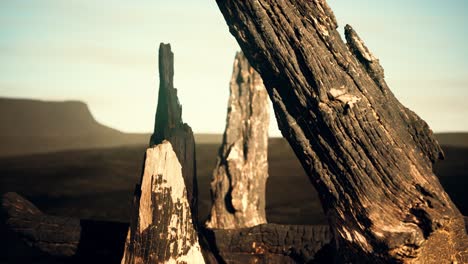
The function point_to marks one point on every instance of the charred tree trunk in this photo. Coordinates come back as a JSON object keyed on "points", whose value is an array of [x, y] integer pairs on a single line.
{"points": [[239, 179], [369, 157], [163, 225]]}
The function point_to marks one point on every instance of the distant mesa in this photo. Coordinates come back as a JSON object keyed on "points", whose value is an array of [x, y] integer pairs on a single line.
{"points": [[33, 126], [453, 139], [34, 118]]}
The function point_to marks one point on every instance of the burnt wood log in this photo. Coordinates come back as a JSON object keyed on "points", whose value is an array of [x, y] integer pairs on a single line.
{"points": [[369, 157], [28, 234], [272, 243], [71, 240], [35, 235], [163, 228], [239, 179], [56, 236]]}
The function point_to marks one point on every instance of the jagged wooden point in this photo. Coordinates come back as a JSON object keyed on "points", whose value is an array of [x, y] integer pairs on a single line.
{"points": [[239, 179], [163, 232], [163, 228]]}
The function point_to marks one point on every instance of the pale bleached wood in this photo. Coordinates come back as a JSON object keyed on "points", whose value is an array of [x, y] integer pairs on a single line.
{"points": [[163, 231], [239, 179], [163, 228]]}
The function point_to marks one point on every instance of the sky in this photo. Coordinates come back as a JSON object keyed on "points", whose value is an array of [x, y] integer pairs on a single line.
{"points": [[105, 54]]}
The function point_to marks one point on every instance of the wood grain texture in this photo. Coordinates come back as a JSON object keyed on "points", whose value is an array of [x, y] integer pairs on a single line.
{"points": [[272, 243], [239, 179], [163, 231], [369, 157]]}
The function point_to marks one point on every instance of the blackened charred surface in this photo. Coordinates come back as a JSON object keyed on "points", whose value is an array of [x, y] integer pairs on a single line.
{"points": [[157, 237], [363, 150], [102, 242], [162, 230], [169, 126], [249, 258], [56, 236], [164, 227], [169, 110], [31, 236], [272, 243]]}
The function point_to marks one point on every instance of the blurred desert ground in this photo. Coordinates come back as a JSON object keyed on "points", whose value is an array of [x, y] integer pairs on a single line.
{"points": [[66, 163]]}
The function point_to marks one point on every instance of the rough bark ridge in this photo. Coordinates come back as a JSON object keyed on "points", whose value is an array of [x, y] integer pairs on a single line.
{"points": [[369, 157], [239, 179], [163, 227]]}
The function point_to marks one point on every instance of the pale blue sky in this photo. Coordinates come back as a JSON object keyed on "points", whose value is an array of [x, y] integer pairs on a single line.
{"points": [[105, 53]]}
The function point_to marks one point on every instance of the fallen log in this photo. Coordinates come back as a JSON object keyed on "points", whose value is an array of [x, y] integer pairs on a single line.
{"points": [[369, 157], [49, 239], [272, 243], [30, 235], [239, 179], [57, 236]]}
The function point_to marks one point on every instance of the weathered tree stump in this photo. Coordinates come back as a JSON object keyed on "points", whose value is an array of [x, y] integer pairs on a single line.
{"points": [[164, 232], [239, 179], [369, 157], [163, 227]]}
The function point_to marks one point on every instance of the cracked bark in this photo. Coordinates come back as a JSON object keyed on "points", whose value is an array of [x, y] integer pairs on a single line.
{"points": [[239, 179], [369, 157], [272, 243]]}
